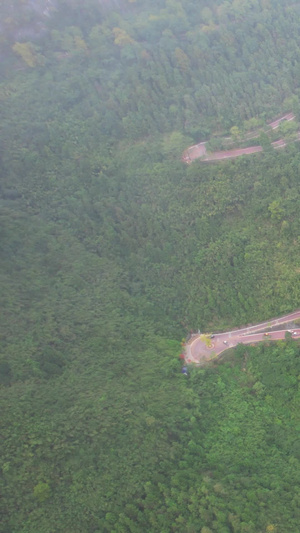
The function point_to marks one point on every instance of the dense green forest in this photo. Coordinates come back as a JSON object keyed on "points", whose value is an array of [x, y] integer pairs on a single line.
{"points": [[112, 250]]}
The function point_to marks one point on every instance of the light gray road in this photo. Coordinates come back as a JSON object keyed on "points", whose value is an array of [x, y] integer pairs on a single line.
{"points": [[197, 351], [199, 150], [288, 117]]}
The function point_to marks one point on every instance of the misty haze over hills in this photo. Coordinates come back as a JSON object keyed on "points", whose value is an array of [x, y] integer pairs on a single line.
{"points": [[113, 251]]}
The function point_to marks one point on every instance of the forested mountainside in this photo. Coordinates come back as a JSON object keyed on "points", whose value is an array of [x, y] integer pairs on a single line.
{"points": [[112, 250], [166, 65]]}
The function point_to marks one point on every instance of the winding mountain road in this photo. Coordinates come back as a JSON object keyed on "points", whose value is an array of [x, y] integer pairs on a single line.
{"points": [[199, 150], [198, 353]]}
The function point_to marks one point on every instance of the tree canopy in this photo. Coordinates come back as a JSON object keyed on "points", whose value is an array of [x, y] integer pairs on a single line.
{"points": [[112, 250]]}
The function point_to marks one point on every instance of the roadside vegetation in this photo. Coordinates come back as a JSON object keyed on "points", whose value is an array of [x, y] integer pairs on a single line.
{"points": [[112, 250]]}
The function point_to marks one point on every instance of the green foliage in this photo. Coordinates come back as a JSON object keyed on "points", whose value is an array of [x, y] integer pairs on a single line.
{"points": [[42, 492], [277, 212], [174, 144], [26, 51], [112, 250], [5, 373], [287, 128], [265, 142]]}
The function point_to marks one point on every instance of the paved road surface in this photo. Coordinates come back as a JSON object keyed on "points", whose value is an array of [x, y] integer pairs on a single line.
{"points": [[288, 117], [216, 156], [199, 150], [273, 125], [197, 352]]}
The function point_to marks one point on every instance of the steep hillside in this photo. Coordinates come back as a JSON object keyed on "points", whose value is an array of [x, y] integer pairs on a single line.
{"points": [[112, 250]]}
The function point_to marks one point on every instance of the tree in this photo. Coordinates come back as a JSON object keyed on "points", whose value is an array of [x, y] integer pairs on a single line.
{"points": [[27, 53], [182, 60], [265, 142], [42, 491], [174, 144], [207, 340], [276, 210], [235, 132], [121, 37], [288, 129], [207, 15], [5, 373]]}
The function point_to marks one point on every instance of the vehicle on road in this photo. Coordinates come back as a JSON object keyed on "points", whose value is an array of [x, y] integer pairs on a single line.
{"points": [[245, 335], [212, 337]]}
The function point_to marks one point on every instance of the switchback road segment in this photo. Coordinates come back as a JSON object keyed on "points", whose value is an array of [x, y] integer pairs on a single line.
{"points": [[199, 353]]}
